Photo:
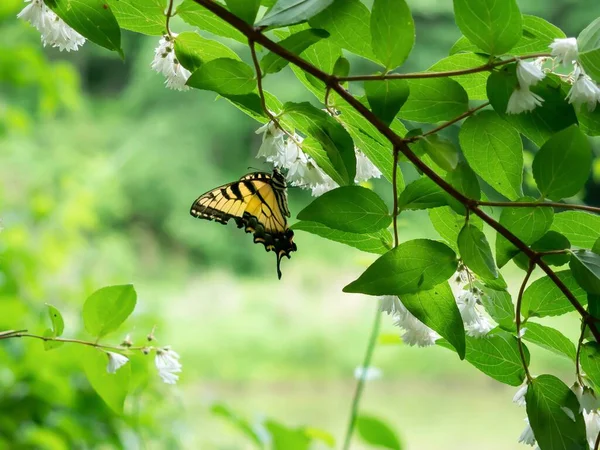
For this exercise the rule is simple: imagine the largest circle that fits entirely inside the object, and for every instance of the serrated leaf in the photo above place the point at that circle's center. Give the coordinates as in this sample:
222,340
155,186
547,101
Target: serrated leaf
495,27
111,387
476,253
193,50
494,151
437,309
581,228
585,266
434,100
224,76
392,32
413,266
141,16
546,400
386,97
563,164
93,19
378,242
377,433
353,209
107,308
290,12
499,305
198,16
421,194
543,298
550,339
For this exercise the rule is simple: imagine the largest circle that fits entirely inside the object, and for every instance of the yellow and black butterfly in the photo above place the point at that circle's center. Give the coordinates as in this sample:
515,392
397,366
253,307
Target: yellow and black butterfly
257,203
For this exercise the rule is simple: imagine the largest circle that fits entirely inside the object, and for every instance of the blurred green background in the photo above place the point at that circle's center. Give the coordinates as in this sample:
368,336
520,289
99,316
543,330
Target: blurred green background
99,164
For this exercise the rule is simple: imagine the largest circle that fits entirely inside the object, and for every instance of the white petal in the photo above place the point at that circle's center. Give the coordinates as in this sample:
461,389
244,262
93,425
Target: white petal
592,427
584,90
527,436
565,50
365,169
115,361
519,397
529,73
523,100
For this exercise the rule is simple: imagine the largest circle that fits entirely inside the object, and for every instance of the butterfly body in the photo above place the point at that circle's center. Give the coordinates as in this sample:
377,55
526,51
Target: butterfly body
257,203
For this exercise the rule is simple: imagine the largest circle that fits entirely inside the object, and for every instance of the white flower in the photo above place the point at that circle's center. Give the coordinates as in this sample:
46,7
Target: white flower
519,397
416,332
164,62
392,305
527,436
565,50
168,365
592,427
584,90
529,73
476,324
588,401
365,169
115,361
368,374
478,329
327,185
272,141
523,100
55,32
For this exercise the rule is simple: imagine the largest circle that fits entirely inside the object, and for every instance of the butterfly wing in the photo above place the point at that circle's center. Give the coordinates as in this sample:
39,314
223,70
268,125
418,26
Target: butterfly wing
257,203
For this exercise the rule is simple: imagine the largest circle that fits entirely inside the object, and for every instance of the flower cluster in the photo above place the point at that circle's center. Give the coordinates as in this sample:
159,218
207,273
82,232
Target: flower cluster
565,52
285,152
55,32
166,63
476,324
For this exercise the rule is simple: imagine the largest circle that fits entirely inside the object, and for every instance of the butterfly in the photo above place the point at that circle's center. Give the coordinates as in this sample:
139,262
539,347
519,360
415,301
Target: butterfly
257,203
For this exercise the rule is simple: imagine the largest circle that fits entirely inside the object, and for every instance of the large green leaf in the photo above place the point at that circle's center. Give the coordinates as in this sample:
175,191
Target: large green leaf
588,43
434,100
551,241
378,242
494,151
474,83
494,26
353,209
563,164
194,14
543,298
141,16
437,309
93,19
422,194
464,180
224,76
476,253
550,339
413,266
244,9
392,32
499,305
290,12
192,50
377,433
107,308
585,266
448,224
386,97
111,387
296,43
581,228
590,362
441,151
553,412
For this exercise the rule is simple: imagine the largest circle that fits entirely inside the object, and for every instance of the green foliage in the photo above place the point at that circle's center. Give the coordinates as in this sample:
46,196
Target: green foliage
392,32
476,253
543,298
550,339
588,43
224,76
378,242
386,98
107,308
377,433
296,43
111,387
434,100
141,16
498,304
585,266
290,12
192,50
245,9
422,194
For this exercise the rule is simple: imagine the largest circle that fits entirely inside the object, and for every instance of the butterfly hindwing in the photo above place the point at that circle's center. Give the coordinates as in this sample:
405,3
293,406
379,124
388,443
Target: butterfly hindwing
257,203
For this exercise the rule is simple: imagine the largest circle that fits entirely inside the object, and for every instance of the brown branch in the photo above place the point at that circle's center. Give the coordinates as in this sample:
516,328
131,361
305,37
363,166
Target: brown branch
447,73
169,14
578,355
593,209
395,190
24,333
254,34
518,319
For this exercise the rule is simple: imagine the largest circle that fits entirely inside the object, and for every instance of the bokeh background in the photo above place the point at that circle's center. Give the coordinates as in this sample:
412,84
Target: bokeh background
99,164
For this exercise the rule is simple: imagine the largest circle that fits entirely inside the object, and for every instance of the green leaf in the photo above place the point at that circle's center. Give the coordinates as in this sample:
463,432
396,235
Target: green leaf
334,149
392,32
252,105
563,164
50,345
550,339
494,150
141,16
239,423
500,307
543,298
290,12
192,50
464,180
93,19
341,67
547,399
581,228
284,438
421,194
111,387
224,76
378,242
198,16
386,97
588,43
56,318
437,309
347,22
296,43
476,253
434,100
413,266
107,308
540,124
322,55
527,224
495,27
377,433
589,122
244,9
585,266
441,151
590,362
550,241
474,83
448,224
353,209
496,355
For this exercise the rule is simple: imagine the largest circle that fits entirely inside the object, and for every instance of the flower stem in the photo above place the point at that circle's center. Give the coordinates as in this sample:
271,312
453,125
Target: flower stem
361,381
518,319
169,14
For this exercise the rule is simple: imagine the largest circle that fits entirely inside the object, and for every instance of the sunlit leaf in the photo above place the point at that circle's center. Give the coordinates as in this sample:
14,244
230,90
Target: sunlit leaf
107,308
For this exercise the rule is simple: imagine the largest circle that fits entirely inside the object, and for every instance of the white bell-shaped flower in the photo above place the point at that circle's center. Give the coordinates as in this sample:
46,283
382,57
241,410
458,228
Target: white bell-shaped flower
168,365
565,50
365,169
584,90
115,361
166,63
527,436
529,73
523,100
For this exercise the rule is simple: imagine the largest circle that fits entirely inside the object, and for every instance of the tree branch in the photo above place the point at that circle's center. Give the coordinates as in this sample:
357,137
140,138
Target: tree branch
518,319
593,209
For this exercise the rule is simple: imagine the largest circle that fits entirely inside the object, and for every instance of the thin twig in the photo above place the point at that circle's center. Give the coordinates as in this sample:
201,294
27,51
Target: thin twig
360,385
518,320
23,333
395,190
593,209
447,73
578,354
597,443
169,14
